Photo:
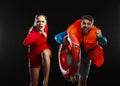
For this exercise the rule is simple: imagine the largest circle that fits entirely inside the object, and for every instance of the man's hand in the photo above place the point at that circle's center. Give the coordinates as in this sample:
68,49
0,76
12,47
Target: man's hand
98,33
73,79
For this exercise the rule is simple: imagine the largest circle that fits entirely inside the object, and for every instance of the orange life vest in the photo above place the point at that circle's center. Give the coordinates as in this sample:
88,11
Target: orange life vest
91,46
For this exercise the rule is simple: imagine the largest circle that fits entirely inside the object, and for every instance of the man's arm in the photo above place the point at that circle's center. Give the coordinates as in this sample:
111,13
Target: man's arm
59,37
102,40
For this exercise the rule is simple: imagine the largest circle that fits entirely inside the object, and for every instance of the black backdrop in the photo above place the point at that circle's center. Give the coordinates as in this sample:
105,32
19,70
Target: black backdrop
17,16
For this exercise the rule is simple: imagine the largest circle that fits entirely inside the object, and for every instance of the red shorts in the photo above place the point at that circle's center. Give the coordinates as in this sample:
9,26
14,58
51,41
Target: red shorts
35,60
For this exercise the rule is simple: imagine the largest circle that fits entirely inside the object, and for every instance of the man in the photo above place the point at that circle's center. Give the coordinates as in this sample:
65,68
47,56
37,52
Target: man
90,39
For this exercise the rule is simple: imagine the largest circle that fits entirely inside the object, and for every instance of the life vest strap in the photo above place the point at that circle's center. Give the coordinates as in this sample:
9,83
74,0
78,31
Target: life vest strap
92,49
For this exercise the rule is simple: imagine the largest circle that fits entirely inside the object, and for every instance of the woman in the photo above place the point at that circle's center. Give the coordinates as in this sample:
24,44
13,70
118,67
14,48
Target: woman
39,52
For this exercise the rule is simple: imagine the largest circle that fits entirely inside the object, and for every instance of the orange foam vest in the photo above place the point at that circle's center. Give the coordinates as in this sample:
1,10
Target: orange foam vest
91,46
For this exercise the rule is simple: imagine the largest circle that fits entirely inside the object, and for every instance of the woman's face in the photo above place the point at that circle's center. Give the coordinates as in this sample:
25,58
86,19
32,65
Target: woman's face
41,22
86,25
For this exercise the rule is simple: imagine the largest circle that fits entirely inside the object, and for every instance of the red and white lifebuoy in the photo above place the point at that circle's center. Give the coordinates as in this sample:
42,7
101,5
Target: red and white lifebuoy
69,57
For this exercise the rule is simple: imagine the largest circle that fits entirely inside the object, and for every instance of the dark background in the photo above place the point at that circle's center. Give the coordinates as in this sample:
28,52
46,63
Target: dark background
16,17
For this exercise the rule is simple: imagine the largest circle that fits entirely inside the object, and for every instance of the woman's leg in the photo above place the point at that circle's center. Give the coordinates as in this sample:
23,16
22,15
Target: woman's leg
34,76
46,55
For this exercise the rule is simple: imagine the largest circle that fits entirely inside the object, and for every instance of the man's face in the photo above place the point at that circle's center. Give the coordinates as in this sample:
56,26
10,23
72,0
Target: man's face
86,25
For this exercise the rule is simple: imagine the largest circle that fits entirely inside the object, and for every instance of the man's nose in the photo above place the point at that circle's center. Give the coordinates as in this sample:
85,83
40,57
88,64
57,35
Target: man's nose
85,25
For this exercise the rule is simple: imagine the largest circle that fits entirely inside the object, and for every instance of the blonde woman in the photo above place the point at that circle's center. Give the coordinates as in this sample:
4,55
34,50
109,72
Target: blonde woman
39,53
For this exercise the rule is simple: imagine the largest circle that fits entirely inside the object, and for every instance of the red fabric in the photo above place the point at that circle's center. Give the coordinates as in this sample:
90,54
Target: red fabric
76,30
90,39
97,56
36,43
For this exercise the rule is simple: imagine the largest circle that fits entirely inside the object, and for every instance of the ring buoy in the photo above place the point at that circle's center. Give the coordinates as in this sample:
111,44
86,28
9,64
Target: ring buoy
69,57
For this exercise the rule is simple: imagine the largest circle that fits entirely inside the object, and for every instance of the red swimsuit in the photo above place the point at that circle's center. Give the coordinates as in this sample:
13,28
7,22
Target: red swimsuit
36,43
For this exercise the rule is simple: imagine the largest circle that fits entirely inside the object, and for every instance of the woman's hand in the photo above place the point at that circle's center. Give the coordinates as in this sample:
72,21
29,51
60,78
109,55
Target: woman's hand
44,34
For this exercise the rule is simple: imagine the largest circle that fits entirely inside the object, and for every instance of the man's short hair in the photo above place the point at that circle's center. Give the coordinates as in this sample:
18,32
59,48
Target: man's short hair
89,17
